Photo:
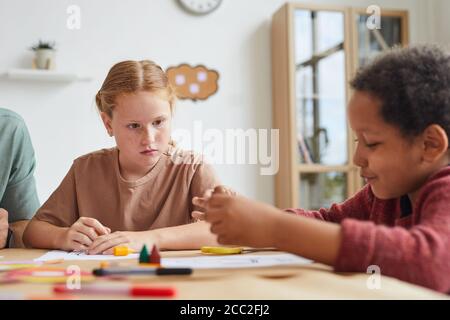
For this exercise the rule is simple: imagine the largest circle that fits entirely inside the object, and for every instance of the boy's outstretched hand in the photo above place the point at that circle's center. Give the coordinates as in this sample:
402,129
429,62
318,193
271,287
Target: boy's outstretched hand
239,221
199,215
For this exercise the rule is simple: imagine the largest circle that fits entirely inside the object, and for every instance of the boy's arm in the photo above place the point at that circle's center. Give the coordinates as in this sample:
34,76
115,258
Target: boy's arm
316,240
241,221
356,207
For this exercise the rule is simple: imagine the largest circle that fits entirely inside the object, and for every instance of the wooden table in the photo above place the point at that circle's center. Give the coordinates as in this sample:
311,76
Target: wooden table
314,281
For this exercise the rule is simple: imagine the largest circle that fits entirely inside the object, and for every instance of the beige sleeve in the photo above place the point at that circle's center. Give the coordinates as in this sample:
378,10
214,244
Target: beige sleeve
204,178
61,209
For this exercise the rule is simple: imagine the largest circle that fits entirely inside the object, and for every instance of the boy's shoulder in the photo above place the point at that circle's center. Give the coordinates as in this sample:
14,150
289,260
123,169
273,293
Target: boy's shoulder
439,181
436,188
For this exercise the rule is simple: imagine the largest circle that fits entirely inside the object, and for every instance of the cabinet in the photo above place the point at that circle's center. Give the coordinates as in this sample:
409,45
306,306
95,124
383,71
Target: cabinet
315,51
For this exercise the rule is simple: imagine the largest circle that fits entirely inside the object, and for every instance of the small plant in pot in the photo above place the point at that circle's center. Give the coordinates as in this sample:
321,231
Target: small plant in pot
44,55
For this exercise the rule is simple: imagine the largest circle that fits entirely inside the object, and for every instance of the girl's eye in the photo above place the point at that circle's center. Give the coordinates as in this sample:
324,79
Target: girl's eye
133,126
158,123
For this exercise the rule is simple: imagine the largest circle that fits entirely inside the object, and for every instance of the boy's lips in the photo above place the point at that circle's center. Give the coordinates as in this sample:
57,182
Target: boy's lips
368,178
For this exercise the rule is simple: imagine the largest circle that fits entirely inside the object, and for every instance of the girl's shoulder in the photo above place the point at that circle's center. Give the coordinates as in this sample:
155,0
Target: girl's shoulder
178,156
102,157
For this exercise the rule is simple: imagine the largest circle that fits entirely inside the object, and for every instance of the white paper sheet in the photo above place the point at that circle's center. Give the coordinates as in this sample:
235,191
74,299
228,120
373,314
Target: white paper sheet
57,254
235,261
202,262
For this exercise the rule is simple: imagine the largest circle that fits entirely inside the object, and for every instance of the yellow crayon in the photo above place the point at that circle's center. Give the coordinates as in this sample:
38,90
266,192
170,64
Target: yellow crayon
123,251
222,250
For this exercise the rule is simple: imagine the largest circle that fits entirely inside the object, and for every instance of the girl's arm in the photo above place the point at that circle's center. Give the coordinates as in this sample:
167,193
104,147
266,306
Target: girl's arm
81,235
188,236
41,234
18,228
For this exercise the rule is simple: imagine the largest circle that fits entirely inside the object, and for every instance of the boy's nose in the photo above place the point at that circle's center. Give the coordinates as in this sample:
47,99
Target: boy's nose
358,157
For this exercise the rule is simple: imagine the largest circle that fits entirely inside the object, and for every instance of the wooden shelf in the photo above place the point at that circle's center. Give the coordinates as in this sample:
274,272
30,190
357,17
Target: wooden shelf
43,75
320,168
289,91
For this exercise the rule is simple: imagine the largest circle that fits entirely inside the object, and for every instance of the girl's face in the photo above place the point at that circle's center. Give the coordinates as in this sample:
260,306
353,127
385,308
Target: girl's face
141,126
390,163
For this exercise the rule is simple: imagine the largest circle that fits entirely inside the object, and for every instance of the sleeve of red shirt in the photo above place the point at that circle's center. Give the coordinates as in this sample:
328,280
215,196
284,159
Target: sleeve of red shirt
418,255
357,207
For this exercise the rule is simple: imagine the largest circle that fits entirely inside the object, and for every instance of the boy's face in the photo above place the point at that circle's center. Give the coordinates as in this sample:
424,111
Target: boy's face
141,126
390,163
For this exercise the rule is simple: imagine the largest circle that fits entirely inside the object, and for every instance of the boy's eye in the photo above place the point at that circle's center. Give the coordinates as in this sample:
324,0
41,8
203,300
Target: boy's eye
133,126
372,145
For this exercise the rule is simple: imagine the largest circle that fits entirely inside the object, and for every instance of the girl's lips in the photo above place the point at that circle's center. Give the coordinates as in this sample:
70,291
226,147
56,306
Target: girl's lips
149,152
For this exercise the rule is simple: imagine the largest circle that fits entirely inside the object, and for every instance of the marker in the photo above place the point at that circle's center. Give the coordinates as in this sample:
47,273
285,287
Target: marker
136,291
24,296
142,271
123,251
222,250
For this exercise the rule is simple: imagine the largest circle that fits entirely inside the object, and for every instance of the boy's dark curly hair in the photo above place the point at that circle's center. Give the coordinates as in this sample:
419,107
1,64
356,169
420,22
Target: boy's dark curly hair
413,85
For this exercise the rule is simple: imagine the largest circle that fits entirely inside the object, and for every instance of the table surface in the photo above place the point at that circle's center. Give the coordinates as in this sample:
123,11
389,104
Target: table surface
312,281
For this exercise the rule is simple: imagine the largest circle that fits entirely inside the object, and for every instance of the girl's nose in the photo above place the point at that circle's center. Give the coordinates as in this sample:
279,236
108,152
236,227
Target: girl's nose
148,136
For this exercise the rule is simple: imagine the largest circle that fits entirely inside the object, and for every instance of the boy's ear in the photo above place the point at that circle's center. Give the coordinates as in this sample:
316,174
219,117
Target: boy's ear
107,122
435,142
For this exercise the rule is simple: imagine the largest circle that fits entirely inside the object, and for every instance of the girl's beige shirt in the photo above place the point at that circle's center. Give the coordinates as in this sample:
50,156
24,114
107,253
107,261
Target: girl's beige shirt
94,188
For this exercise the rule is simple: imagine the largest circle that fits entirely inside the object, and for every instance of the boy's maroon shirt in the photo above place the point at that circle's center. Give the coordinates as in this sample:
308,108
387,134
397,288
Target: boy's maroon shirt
408,242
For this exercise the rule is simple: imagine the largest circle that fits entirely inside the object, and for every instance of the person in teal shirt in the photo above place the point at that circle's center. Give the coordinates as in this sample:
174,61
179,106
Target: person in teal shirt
18,196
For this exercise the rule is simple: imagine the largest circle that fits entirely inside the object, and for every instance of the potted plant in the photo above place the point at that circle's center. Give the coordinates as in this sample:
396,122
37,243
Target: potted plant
44,55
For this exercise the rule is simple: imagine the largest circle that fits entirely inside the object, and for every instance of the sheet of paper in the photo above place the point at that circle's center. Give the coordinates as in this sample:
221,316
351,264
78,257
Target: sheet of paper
57,254
235,261
201,262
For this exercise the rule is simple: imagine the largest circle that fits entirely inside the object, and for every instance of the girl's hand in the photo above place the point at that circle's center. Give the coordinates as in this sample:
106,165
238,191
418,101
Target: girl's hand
133,240
202,202
82,234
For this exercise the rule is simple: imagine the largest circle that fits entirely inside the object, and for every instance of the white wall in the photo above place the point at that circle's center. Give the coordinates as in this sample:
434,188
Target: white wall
440,14
235,40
